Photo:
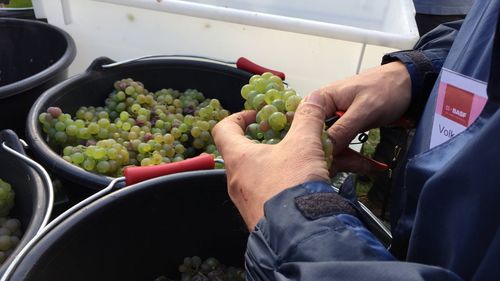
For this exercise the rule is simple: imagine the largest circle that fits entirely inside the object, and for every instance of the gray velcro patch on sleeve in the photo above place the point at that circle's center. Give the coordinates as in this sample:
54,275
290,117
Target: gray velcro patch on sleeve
321,204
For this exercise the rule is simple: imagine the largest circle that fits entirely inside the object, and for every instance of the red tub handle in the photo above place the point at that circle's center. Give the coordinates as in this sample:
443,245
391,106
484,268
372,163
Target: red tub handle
246,64
135,174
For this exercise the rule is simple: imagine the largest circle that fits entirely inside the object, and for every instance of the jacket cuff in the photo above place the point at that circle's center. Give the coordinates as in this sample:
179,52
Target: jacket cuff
310,211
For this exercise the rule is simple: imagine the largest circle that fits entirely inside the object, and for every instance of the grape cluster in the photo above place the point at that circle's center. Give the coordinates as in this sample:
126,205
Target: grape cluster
134,127
10,228
275,106
196,269
6,198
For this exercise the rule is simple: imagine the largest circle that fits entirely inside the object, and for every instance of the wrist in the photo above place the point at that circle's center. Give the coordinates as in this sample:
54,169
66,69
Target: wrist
422,73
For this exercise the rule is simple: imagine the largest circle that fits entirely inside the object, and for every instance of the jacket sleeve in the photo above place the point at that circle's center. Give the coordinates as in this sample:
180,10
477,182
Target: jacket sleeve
309,232
424,62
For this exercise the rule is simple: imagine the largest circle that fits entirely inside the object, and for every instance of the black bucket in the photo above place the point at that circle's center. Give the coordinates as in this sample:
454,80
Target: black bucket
214,80
31,191
141,232
18,13
33,57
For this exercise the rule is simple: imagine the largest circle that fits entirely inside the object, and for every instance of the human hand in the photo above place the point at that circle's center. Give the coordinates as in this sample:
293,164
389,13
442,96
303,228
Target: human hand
257,172
371,99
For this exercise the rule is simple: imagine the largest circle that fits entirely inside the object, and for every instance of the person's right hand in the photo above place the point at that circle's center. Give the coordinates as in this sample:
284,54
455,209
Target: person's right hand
371,99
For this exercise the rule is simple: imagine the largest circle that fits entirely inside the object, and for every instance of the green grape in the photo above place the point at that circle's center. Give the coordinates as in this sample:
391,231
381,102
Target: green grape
168,139
103,166
252,79
179,149
271,134
77,158
251,96
130,90
71,130
195,132
120,96
103,123
60,137
176,133
277,80
44,118
266,75
135,108
292,103
259,101
246,89
144,147
99,153
203,125
265,112
271,95
273,141
214,103
205,136
183,127
277,121
112,153
247,105
6,198
273,86
252,130
60,126
124,116
260,84
5,243
83,133
93,128
79,123
279,104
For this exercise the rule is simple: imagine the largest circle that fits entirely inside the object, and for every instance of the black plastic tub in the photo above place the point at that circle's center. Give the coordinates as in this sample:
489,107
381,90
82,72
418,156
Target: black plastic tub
214,80
33,57
30,187
18,13
141,232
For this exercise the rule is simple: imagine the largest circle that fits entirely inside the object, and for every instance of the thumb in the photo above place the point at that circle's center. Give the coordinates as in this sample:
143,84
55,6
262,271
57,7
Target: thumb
309,118
229,133
347,127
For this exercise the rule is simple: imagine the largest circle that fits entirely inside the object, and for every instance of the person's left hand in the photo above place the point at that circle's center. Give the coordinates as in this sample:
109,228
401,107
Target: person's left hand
257,172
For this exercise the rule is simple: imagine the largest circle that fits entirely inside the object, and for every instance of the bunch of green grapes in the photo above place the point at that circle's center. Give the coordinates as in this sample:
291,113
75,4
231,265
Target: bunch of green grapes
275,105
196,269
6,198
10,228
134,127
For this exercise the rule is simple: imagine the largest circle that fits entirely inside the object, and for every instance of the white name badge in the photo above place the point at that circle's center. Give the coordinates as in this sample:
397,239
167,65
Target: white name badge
459,102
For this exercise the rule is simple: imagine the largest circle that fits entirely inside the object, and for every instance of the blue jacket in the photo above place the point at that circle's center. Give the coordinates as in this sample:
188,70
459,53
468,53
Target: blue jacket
443,7
446,216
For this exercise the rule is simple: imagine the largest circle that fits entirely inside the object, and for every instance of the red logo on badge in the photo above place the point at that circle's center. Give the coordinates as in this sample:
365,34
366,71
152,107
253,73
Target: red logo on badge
457,105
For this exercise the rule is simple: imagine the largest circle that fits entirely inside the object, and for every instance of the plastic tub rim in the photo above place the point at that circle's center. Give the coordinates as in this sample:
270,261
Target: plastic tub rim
45,75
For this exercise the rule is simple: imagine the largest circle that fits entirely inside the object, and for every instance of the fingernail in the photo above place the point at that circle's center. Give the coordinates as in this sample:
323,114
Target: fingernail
315,98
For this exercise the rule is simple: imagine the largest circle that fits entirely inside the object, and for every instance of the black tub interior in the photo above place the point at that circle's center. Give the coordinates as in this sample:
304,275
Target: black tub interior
143,231
27,49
